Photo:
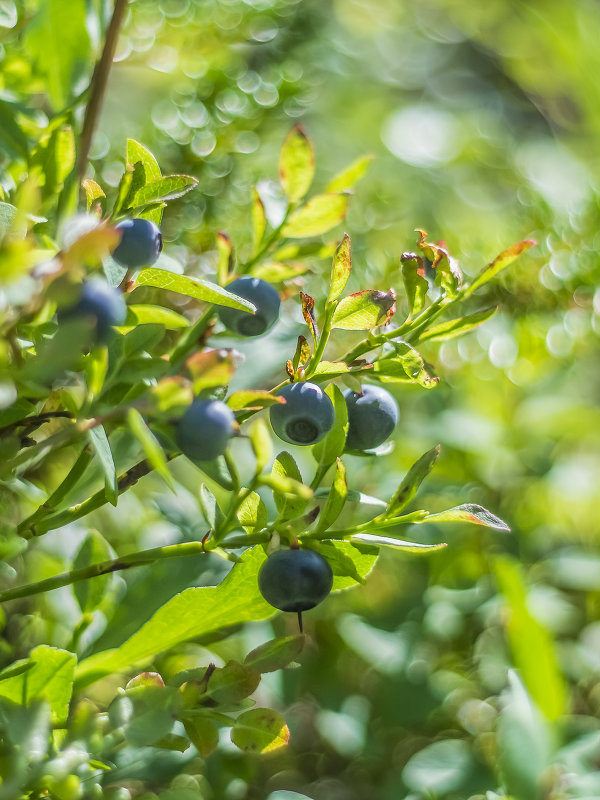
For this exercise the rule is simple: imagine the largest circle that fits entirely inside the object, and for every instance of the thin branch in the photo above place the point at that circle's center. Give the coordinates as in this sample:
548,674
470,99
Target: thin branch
98,86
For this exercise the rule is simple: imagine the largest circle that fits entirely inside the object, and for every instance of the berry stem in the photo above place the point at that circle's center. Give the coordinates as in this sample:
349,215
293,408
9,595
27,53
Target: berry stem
300,622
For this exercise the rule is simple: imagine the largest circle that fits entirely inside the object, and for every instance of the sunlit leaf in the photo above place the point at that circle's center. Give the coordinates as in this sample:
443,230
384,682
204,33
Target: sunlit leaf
340,269
397,544
349,177
457,327
136,152
364,310
505,258
335,500
168,188
469,512
296,164
260,730
319,215
413,274
259,221
193,287
253,398
252,513
448,273
411,482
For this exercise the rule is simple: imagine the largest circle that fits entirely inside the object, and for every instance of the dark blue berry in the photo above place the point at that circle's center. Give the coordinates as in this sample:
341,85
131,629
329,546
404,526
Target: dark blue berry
265,298
140,245
295,580
307,415
100,305
205,429
372,416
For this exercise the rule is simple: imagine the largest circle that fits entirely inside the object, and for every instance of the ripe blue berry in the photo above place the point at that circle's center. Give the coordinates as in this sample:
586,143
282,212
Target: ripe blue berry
265,298
372,416
205,429
100,305
306,416
295,580
140,245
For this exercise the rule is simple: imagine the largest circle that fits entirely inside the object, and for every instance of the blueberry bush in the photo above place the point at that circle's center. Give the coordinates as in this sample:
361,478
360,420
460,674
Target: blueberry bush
148,513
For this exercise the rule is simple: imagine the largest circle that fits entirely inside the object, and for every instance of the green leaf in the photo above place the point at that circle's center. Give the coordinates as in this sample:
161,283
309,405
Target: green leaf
90,593
136,152
210,509
50,679
142,338
319,215
448,273
364,310
406,364
397,544
328,449
261,443
252,513
276,654
210,368
340,269
284,467
260,730
253,399
296,164
11,134
259,222
411,482
350,563
469,512
150,445
347,178
99,441
58,43
336,500
505,258
149,314
413,274
203,734
123,190
193,613
193,287
525,746
225,262
8,214
457,327
164,189
276,272
232,683
440,768
530,643
93,192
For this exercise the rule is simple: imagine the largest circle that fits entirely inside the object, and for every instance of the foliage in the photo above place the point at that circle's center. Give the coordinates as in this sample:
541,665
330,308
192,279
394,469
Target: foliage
138,559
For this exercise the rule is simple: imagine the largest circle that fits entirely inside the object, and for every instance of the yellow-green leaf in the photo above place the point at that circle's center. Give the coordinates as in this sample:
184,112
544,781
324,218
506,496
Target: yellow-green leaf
319,215
296,164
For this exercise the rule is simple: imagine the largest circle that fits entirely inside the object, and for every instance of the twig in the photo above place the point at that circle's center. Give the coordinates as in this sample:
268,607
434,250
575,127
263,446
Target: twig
98,86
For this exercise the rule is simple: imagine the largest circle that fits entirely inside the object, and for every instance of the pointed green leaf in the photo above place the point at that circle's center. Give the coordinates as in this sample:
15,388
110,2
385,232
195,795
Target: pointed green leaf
159,315
276,272
253,398
252,513
328,449
260,730
136,152
94,550
225,262
286,469
259,222
262,446
349,177
505,258
319,215
413,274
340,270
93,192
457,327
364,310
296,164
411,482
150,445
99,441
164,189
532,648
188,615
406,364
448,273
397,544
193,287
50,679
336,500
209,507
349,563
276,654
469,512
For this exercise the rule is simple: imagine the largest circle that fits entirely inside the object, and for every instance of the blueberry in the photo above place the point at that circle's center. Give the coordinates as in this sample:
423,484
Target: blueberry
265,298
306,416
140,245
99,304
204,430
372,416
295,580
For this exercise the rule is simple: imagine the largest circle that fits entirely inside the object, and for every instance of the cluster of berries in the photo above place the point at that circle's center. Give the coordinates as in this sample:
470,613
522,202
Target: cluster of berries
290,580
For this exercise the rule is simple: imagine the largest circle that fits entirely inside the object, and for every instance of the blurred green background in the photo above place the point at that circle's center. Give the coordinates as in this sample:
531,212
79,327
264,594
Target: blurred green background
483,121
